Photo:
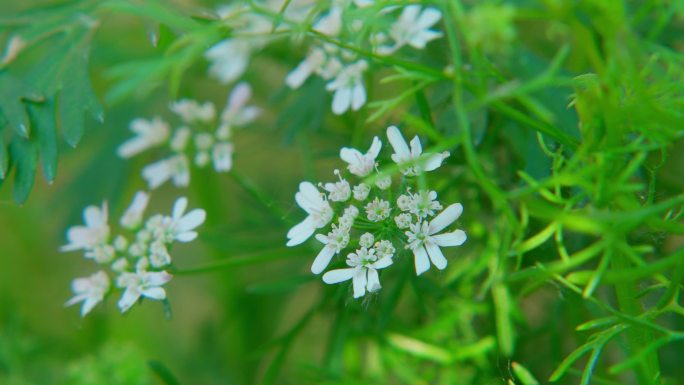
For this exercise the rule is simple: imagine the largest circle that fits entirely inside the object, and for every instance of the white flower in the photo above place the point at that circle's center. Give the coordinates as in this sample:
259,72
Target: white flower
94,233
334,242
180,225
404,202
424,204
384,248
383,183
90,290
237,112
203,141
366,240
120,265
132,217
313,63
101,253
149,133
180,139
202,158
222,156
331,23
413,160
363,271
191,111
348,87
229,59
377,210
346,221
159,254
403,220
141,283
413,28
338,191
120,243
361,164
361,191
175,167
425,244
319,210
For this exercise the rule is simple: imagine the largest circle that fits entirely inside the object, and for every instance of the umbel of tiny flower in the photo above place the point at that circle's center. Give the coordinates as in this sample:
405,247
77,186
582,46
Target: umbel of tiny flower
203,137
343,69
370,223
139,259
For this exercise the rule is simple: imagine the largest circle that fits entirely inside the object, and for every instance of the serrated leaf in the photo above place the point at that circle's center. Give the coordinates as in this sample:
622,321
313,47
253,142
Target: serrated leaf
45,131
25,155
76,97
12,93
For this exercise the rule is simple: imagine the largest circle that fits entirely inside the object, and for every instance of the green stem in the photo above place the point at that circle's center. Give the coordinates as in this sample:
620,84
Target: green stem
240,260
638,338
260,196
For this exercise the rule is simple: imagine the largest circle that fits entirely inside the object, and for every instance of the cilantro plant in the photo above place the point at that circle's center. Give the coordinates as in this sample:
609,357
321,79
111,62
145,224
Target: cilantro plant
387,192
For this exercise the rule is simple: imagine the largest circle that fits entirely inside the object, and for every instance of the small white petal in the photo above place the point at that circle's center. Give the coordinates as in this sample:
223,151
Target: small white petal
436,255
187,236
416,147
433,161
373,283
301,232
191,220
359,282
128,299
358,96
398,142
421,260
341,100
382,263
322,260
445,218
179,207
157,293
339,275
456,238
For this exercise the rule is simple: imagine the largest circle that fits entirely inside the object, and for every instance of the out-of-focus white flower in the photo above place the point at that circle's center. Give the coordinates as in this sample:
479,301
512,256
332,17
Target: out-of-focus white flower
229,59
180,139
159,254
319,213
133,215
363,271
89,290
237,112
175,167
361,164
413,29
413,161
311,64
334,242
191,111
180,225
331,23
349,91
141,284
101,253
93,234
425,243
149,133
377,210
222,156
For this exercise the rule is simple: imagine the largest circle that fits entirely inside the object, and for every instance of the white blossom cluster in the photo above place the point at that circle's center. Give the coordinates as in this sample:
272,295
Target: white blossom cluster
371,223
342,68
203,138
139,261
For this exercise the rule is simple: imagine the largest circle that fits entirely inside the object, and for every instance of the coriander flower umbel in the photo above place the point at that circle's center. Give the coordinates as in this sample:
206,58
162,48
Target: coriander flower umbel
410,222
413,29
209,133
140,264
93,234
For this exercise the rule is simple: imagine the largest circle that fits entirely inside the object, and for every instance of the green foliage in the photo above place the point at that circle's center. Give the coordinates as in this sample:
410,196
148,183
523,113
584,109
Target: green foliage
564,120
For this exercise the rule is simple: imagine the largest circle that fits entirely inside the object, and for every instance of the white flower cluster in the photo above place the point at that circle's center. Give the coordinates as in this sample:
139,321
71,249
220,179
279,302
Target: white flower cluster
140,261
370,226
342,68
210,136
249,33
